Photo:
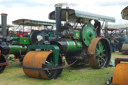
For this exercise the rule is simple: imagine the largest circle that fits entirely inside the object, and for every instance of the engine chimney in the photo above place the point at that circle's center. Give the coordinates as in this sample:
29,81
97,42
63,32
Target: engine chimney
4,25
58,18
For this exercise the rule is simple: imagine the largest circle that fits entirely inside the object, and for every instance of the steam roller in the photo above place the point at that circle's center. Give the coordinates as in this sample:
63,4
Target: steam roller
120,74
79,46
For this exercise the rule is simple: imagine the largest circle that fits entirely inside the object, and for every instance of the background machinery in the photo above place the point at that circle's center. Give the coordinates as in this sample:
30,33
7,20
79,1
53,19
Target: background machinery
6,48
113,34
27,30
75,39
15,44
116,38
124,14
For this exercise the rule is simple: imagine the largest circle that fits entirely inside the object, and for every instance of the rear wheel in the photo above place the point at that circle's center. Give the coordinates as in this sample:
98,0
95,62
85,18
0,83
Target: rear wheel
100,54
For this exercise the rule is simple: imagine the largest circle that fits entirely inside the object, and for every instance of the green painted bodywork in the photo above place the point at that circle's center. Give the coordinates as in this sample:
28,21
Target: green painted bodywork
79,44
15,38
74,46
54,48
21,40
88,33
16,49
24,41
75,15
77,34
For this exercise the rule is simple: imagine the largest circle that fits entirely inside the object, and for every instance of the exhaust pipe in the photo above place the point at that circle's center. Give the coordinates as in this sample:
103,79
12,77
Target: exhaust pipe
58,19
4,25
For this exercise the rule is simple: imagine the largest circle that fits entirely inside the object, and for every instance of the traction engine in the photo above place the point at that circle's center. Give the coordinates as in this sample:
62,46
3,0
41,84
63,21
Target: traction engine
80,46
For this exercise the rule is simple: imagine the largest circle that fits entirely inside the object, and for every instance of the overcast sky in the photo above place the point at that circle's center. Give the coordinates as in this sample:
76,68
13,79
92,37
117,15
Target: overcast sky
39,9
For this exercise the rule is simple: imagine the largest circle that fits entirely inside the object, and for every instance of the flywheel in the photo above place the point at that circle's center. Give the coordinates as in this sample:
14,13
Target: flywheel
88,33
33,36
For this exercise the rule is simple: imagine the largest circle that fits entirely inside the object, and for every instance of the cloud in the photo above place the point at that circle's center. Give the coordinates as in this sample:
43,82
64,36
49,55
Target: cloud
112,3
35,13
33,3
39,9
21,3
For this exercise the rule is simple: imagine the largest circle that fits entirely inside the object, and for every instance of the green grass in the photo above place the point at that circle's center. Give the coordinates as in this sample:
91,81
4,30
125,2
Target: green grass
14,75
118,54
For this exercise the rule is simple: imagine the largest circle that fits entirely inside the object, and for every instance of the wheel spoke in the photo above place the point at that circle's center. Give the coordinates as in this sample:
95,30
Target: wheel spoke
100,46
100,54
102,61
97,52
103,55
98,62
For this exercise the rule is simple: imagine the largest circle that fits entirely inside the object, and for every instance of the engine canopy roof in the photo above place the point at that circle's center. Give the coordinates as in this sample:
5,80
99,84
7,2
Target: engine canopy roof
124,13
29,22
75,15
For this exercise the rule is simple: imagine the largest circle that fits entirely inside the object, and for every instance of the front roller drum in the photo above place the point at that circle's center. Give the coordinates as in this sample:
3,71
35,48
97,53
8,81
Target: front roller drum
35,59
120,74
100,54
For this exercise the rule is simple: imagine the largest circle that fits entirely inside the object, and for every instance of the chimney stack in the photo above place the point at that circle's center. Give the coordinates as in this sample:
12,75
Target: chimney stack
4,25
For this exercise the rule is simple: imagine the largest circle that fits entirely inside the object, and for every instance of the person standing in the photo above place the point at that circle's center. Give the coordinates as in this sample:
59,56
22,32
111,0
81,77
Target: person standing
97,26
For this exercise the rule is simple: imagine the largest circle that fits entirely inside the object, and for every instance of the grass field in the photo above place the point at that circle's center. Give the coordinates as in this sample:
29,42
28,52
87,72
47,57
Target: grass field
14,75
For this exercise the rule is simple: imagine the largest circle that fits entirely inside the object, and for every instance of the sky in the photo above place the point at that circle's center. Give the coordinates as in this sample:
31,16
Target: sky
39,9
